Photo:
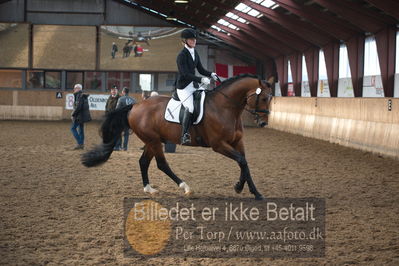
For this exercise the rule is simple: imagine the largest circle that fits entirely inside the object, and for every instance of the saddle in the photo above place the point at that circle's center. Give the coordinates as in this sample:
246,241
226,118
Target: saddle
174,109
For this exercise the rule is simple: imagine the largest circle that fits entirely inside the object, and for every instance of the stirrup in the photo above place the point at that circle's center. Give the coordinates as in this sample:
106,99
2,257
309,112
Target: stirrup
186,139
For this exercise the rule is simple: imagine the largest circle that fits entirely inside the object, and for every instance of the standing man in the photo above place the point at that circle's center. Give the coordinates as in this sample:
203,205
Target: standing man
114,49
187,61
124,101
111,106
126,50
112,100
80,115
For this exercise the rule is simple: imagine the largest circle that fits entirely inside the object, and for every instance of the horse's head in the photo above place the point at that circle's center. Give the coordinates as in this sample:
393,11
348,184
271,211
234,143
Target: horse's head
258,101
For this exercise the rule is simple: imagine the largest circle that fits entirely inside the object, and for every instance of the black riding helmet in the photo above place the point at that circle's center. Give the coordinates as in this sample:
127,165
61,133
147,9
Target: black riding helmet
188,34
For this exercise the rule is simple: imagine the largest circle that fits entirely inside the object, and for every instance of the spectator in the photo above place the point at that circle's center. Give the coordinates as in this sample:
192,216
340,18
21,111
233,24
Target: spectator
124,101
80,115
111,105
138,50
112,100
126,50
114,49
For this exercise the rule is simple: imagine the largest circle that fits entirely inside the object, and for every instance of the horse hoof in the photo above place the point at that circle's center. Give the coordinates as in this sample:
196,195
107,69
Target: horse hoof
149,189
259,197
188,194
238,188
187,190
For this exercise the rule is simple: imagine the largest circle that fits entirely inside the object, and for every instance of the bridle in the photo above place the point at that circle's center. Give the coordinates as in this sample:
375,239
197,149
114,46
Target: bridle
255,111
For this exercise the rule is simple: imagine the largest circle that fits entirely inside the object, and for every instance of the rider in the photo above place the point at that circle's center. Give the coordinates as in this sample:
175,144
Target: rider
187,61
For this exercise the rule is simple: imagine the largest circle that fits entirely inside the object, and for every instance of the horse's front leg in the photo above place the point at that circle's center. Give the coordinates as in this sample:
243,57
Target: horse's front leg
228,151
239,186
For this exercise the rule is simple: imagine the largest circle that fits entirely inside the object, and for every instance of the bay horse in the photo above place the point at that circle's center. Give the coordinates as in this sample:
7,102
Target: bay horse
221,128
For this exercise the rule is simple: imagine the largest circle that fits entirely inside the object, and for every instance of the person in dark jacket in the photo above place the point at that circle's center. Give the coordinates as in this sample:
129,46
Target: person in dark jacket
80,115
126,50
112,100
114,49
187,61
111,106
124,101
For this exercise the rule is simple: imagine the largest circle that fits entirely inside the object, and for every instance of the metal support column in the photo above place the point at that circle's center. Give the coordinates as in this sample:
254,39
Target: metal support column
63,80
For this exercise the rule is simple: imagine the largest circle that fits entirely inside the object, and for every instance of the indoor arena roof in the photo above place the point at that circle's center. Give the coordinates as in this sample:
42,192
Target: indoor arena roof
271,28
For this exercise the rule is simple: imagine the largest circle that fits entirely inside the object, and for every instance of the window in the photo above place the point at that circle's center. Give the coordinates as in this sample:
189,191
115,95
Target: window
397,53
92,81
10,78
266,3
35,79
344,68
322,66
304,70
120,79
305,79
39,79
250,10
289,72
269,4
290,91
227,24
345,87
145,81
371,63
52,80
322,85
235,17
74,78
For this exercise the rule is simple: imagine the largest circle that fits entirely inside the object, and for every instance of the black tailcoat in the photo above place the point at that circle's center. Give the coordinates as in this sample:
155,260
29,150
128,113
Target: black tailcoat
187,66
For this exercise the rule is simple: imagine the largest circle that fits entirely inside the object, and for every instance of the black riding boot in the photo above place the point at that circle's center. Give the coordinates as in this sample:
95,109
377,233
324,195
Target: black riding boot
186,138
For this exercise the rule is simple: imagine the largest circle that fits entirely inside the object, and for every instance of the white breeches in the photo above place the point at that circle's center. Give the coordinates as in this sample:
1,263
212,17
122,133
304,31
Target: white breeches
186,97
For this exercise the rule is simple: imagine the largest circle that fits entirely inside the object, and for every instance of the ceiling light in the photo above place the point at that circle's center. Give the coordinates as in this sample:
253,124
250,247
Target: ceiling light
181,1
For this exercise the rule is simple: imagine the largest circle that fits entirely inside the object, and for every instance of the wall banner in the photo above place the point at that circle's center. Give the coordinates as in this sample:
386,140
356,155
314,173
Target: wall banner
96,101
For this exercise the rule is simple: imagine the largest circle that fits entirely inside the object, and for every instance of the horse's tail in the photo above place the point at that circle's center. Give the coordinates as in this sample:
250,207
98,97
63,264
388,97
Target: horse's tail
110,131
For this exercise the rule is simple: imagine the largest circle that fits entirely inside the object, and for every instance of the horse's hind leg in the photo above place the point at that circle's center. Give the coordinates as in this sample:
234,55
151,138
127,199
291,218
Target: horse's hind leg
144,162
164,167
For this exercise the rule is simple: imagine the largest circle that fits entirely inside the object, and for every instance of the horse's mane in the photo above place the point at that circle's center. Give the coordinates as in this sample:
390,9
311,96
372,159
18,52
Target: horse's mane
227,82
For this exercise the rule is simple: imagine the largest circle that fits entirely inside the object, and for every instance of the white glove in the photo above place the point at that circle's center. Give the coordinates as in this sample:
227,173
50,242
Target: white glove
214,76
205,81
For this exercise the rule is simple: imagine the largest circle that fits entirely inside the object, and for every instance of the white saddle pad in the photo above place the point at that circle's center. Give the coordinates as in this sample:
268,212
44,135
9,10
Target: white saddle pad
172,111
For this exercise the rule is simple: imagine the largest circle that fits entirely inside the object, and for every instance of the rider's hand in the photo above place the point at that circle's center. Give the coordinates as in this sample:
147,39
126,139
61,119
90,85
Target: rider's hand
205,81
214,76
